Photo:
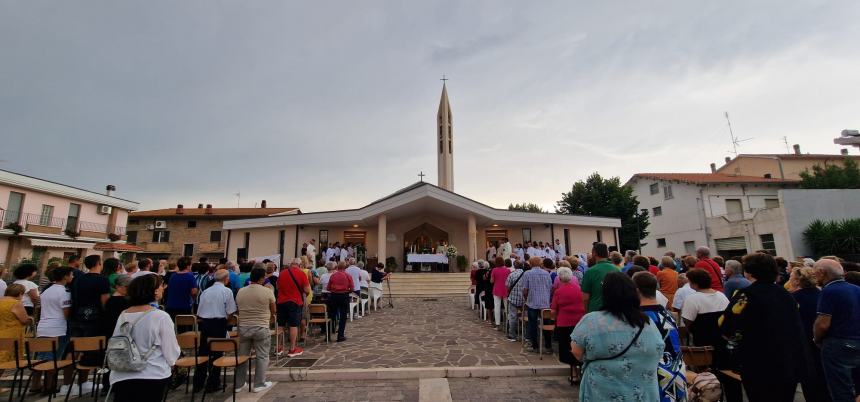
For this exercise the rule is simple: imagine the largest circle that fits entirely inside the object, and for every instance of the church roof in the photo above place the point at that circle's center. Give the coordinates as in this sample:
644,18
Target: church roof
417,198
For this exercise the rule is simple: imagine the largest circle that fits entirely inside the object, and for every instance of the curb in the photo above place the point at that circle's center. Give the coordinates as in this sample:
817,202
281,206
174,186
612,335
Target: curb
303,374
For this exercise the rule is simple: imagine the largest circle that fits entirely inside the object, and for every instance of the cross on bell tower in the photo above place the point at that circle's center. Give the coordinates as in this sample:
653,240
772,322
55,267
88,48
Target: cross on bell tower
445,137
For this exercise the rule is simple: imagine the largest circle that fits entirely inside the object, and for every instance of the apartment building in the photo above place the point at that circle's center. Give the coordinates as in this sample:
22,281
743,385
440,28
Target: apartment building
42,219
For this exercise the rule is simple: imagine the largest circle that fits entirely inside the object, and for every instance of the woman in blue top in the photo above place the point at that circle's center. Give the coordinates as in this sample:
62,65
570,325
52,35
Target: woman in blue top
619,346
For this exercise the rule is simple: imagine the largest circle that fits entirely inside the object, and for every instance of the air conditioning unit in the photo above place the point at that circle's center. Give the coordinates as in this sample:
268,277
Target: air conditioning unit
150,227
161,224
104,210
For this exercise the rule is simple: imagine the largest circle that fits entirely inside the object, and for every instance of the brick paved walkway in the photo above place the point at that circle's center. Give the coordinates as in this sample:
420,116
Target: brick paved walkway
420,333
498,389
319,391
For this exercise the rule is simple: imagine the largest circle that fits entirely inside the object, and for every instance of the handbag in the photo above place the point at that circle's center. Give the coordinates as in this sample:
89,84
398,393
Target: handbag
618,354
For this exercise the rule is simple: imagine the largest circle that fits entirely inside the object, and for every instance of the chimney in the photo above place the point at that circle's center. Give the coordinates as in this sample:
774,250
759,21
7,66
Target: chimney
728,159
843,151
208,209
180,210
199,206
797,149
110,189
263,204
713,168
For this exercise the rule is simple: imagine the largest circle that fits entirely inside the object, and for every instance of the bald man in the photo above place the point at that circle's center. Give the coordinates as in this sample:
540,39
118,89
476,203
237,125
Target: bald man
837,329
216,304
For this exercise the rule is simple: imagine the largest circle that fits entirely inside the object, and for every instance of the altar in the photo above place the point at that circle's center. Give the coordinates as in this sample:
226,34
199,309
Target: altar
426,262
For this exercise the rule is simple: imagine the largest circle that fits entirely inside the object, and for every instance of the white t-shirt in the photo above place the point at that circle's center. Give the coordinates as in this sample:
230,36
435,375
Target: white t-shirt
324,281
311,252
703,303
154,330
662,299
141,273
680,295
2,287
28,286
344,254
53,322
363,278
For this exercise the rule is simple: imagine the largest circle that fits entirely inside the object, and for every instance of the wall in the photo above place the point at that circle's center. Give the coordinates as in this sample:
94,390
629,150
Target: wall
34,200
682,219
180,234
802,207
752,197
762,221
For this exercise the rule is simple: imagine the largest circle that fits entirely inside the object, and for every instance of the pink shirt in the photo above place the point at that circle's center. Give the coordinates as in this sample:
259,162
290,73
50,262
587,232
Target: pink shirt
567,304
500,275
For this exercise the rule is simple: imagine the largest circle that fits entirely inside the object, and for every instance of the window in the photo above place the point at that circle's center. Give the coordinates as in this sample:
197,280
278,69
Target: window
215,236
323,238
13,208
771,203
134,221
192,224
658,211
131,236
690,247
599,236
655,188
734,207
161,236
72,219
527,235
47,214
661,242
768,243
188,250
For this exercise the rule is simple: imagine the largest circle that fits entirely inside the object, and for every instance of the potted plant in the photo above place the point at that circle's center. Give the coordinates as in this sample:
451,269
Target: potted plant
462,263
114,237
71,233
15,227
391,263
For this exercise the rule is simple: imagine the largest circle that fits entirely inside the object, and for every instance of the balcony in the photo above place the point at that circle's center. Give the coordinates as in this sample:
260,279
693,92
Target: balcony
210,247
37,223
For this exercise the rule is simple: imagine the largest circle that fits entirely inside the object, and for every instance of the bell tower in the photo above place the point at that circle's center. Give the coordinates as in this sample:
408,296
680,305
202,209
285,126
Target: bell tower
445,139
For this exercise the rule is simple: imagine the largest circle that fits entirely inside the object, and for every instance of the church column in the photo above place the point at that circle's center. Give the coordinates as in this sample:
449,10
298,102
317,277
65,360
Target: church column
473,239
381,238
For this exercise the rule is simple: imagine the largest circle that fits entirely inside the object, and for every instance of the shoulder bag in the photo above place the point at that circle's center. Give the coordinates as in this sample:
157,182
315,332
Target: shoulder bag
620,353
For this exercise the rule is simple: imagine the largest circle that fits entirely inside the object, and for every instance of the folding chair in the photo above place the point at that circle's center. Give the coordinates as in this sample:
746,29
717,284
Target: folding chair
227,361
18,364
184,321
319,315
81,345
233,326
545,315
40,345
190,341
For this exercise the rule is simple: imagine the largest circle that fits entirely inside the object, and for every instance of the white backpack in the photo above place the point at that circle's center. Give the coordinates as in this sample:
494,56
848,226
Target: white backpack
122,353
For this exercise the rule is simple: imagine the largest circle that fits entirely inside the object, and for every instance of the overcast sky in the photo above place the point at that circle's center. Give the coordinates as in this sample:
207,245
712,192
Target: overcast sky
333,104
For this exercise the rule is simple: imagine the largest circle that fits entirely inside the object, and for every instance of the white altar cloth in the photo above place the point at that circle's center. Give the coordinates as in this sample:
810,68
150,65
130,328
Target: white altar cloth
427,258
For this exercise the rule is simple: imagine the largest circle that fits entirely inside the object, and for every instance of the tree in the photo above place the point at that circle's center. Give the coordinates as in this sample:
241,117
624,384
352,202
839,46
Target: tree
526,207
597,196
832,176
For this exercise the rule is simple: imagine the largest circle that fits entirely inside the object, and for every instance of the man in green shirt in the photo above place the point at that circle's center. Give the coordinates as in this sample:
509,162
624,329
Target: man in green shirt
592,282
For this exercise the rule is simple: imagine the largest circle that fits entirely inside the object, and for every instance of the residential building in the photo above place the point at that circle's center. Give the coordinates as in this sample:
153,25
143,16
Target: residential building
779,166
43,220
189,232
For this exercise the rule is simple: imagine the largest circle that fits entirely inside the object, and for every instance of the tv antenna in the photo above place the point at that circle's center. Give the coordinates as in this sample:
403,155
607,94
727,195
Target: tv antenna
736,142
238,198
785,141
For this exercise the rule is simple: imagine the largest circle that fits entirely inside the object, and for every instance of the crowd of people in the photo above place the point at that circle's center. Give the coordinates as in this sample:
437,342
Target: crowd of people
624,322
142,300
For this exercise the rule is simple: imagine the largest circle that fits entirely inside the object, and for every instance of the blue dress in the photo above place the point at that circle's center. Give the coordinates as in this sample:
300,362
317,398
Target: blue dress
631,377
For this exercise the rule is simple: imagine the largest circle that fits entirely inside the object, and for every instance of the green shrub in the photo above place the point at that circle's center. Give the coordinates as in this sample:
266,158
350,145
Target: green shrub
391,263
462,262
833,237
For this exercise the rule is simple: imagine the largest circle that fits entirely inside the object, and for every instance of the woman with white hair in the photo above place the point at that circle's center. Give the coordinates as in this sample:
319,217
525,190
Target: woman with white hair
567,309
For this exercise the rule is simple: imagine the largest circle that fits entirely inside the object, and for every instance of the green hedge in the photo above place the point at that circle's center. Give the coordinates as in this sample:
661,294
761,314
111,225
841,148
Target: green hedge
833,237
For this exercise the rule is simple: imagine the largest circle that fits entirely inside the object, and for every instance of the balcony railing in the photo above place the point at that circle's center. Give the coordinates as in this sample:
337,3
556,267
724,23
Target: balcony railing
57,224
7,217
44,220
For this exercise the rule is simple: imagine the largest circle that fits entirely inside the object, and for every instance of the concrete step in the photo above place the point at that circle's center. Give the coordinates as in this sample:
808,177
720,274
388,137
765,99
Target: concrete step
406,284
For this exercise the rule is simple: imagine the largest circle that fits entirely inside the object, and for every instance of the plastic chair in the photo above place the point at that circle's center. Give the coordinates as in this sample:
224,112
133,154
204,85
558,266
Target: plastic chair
353,305
319,315
227,361
375,297
471,295
190,341
18,364
46,345
545,315
81,345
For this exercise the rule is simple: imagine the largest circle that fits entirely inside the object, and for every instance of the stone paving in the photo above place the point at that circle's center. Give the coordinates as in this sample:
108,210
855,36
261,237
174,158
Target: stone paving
510,389
441,332
320,391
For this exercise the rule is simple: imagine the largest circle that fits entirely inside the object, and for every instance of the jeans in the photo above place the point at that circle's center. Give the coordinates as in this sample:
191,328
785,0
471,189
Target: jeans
497,311
209,328
338,306
838,358
513,321
261,339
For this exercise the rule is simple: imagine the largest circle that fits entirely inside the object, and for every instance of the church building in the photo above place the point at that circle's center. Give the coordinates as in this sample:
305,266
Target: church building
413,221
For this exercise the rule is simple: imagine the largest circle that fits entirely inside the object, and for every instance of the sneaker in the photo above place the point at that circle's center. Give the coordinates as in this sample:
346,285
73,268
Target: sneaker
295,352
341,339
511,339
280,351
239,388
264,388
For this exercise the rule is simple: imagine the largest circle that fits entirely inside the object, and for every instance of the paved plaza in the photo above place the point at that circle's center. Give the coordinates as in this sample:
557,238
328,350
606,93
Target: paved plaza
437,332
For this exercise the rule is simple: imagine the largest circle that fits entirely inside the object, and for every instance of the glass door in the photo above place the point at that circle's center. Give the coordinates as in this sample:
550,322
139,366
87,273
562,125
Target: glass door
13,208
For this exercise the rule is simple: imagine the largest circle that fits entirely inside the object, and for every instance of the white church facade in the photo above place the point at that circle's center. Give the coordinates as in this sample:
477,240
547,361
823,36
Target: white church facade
416,219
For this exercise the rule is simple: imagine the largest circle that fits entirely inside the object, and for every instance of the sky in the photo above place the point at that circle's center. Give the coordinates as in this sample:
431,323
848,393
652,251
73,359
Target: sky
332,104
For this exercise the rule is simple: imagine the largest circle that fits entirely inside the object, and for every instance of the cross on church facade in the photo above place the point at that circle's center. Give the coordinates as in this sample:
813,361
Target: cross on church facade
421,175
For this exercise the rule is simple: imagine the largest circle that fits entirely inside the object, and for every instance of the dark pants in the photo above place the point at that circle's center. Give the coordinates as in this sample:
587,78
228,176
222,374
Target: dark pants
140,390
534,323
814,387
338,305
209,328
770,392
839,357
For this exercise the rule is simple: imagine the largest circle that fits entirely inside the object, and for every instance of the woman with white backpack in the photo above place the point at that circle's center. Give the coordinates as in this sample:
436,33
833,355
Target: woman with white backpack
143,348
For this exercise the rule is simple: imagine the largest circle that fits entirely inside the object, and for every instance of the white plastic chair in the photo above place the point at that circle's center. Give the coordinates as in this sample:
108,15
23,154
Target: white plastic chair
375,297
471,295
353,306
